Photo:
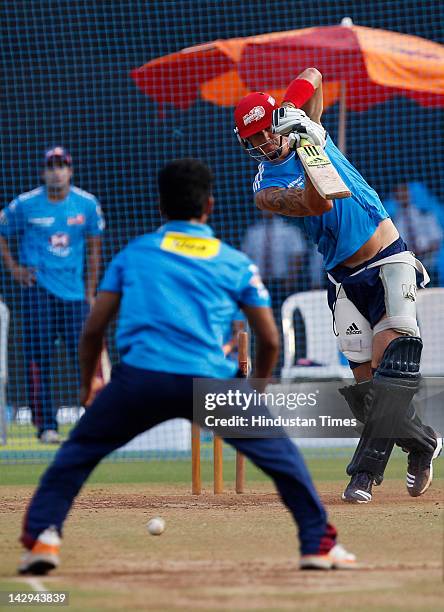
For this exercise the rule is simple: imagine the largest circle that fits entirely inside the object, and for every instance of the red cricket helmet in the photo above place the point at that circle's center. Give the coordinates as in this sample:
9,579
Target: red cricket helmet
254,113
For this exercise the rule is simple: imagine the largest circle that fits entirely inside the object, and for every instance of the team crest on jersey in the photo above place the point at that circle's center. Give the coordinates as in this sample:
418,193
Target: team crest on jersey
59,244
190,246
255,114
77,220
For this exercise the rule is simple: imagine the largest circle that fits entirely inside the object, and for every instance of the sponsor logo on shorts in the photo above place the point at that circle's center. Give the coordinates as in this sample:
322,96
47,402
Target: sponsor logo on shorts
352,330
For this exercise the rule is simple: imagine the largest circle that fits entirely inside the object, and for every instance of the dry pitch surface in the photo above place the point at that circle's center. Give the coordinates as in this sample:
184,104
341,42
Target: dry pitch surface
235,552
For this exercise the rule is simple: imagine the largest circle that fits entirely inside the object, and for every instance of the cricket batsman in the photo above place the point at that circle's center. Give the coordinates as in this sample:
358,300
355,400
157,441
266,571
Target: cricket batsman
372,280
176,292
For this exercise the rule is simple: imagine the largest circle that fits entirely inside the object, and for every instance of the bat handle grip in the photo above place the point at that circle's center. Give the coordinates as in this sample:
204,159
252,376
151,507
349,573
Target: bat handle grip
304,142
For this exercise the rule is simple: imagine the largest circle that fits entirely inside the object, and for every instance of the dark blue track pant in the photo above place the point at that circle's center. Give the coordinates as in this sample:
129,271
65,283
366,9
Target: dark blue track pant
135,400
44,318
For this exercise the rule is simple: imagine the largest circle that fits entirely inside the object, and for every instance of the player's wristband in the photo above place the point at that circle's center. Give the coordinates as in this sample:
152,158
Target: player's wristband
298,92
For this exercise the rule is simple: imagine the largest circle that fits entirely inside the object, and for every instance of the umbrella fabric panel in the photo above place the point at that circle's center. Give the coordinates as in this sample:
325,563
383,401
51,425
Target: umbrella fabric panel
176,78
375,64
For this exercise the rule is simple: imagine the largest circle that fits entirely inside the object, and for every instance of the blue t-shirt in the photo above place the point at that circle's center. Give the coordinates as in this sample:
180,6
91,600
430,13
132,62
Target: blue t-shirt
52,237
341,231
181,287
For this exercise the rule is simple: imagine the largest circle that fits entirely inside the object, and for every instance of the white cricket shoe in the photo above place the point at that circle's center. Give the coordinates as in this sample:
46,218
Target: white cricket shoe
44,555
50,436
336,558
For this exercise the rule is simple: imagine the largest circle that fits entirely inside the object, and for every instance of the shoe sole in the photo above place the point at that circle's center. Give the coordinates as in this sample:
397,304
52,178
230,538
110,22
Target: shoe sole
38,568
315,567
352,500
327,564
436,454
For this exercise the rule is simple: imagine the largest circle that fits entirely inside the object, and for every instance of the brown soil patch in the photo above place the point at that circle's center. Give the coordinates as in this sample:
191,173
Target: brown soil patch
237,552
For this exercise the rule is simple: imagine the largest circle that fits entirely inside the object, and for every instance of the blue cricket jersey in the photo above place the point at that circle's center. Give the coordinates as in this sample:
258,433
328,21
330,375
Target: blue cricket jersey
52,237
181,288
341,231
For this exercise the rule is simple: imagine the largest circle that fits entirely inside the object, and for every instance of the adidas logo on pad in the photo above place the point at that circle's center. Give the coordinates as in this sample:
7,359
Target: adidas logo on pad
353,329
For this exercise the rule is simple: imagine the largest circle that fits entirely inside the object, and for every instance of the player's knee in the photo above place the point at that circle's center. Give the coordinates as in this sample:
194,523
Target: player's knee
401,359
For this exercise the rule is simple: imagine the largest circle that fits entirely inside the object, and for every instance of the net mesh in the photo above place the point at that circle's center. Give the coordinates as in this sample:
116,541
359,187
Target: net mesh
67,81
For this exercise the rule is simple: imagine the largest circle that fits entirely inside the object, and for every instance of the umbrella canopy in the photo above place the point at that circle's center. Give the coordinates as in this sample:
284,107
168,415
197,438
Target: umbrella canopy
373,64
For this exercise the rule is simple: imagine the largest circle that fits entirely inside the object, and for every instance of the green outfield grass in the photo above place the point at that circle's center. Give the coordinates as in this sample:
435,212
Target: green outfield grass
22,438
179,471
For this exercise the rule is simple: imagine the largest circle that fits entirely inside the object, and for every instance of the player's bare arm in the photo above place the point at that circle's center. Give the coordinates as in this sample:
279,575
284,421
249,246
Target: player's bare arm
291,122
262,323
91,342
23,275
94,249
293,202
314,105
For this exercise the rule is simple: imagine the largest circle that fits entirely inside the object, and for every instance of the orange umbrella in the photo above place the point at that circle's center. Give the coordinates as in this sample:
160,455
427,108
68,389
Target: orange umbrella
363,66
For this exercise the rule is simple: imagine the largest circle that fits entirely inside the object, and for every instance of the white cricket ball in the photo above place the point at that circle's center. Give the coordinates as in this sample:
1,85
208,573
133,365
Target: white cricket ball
156,525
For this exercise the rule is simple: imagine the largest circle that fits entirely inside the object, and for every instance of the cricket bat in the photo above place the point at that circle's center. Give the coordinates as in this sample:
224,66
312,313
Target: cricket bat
321,172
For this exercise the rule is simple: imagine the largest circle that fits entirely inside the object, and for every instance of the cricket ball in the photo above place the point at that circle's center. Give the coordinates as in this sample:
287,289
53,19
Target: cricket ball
156,525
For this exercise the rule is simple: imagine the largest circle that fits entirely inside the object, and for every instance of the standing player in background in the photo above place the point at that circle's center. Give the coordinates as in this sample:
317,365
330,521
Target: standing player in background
372,279
52,224
278,249
172,316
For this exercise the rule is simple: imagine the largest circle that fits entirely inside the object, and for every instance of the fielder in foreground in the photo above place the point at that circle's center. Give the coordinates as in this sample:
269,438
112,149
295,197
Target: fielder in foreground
177,290
372,279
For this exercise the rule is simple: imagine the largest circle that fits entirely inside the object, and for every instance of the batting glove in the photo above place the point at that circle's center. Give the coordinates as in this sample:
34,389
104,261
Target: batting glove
295,124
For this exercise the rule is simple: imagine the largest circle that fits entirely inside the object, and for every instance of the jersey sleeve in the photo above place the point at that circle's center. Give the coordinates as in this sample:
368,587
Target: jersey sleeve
113,277
95,222
253,291
12,219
